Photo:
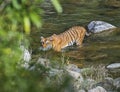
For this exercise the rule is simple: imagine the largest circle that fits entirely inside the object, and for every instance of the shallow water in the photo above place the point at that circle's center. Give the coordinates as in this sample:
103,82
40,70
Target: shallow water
96,49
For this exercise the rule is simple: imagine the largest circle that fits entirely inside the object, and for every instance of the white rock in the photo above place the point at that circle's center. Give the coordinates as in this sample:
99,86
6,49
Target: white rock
73,67
81,90
75,75
99,26
26,54
113,66
97,89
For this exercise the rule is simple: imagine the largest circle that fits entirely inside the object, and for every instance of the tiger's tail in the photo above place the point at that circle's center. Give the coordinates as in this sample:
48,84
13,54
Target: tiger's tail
88,33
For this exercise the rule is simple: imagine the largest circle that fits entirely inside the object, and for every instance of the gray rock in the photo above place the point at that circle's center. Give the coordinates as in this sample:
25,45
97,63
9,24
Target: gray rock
109,80
114,69
44,62
97,89
54,72
107,84
77,85
73,67
75,75
113,66
99,26
87,84
40,62
117,83
81,90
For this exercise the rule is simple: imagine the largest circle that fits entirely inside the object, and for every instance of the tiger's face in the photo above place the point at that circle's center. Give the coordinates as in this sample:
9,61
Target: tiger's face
47,43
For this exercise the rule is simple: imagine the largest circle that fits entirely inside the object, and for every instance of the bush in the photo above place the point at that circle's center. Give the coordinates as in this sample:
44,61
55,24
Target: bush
16,19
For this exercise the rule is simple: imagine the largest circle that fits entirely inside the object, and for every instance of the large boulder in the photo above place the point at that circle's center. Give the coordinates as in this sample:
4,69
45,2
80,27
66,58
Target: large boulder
99,26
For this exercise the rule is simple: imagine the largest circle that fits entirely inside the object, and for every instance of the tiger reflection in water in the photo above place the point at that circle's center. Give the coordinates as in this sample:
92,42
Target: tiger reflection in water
73,35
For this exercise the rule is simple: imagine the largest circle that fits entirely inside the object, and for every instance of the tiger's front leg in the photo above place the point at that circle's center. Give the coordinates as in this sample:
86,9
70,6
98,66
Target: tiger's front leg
57,48
79,42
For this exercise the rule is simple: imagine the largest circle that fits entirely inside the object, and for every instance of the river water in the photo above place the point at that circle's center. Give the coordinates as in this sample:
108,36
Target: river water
96,49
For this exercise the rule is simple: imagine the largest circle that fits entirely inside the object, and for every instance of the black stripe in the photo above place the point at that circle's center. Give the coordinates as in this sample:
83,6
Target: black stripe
73,33
70,35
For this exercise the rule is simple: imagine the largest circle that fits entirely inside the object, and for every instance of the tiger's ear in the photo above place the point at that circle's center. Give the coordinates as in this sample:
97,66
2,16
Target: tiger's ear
41,37
53,37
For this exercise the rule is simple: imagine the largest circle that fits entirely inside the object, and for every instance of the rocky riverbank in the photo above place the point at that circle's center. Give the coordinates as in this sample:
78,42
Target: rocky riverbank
91,79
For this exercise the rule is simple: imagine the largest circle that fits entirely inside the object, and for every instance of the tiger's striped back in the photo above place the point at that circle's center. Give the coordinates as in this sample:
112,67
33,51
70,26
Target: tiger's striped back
73,35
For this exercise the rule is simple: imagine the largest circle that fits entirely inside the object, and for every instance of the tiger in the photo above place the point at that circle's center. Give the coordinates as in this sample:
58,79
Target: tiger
74,35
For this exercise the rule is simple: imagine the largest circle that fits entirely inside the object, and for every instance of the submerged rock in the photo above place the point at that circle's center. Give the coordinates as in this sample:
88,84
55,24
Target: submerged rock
99,26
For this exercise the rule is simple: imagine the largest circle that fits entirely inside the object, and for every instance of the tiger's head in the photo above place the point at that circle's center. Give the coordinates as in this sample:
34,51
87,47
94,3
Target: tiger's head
47,43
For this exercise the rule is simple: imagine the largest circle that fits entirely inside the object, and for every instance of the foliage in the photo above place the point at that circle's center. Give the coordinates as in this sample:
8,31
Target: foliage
57,6
16,19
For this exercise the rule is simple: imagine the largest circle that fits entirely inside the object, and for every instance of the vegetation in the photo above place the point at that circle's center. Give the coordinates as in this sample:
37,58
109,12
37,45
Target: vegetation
16,19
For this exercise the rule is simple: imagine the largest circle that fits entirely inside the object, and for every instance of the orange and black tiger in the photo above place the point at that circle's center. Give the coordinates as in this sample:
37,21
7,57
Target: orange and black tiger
73,35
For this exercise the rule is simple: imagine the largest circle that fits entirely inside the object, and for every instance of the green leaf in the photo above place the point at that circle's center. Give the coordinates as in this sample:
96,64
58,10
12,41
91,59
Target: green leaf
26,24
2,33
57,6
16,4
35,18
7,51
